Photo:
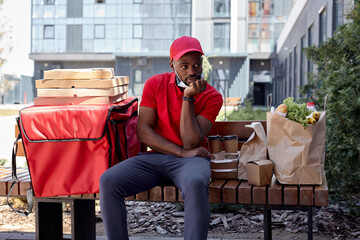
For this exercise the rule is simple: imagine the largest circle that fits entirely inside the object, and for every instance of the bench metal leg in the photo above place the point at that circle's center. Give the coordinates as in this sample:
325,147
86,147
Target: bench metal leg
49,220
267,223
83,219
310,223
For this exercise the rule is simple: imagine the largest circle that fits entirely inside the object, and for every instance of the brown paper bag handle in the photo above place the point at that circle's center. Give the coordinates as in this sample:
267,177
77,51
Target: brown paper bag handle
325,101
269,101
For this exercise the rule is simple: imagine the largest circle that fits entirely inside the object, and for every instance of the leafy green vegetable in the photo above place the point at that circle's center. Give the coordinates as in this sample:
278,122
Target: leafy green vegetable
297,112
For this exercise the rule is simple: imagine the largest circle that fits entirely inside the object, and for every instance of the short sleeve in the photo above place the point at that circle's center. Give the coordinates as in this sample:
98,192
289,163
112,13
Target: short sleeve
148,98
212,107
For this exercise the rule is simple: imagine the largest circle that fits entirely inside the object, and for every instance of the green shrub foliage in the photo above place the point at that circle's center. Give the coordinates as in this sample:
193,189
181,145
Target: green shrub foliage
338,75
247,112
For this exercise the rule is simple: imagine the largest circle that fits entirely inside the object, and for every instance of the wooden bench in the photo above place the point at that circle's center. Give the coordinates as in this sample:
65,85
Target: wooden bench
275,196
233,101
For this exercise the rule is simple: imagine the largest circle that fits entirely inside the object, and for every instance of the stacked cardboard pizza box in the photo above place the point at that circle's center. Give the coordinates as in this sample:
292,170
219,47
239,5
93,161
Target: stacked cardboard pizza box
81,86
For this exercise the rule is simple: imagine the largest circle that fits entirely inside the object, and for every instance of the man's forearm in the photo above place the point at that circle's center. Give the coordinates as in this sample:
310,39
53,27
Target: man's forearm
190,131
158,143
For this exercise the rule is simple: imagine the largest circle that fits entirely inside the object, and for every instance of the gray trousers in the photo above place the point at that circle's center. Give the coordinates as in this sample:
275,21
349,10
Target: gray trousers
145,171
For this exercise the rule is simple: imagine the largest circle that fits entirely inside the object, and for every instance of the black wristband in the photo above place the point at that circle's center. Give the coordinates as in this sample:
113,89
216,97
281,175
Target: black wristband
188,99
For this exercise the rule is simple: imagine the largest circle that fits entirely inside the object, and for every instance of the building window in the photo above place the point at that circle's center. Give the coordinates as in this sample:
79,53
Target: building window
286,72
99,31
322,26
74,38
99,1
310,65
138,85
138,1
302,61
290,74
74,9
221,37
254,30
222,8
295,73
137,31
337,18
49,2
49,32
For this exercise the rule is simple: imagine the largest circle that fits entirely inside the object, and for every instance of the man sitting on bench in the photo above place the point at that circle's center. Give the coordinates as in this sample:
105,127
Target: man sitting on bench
176,112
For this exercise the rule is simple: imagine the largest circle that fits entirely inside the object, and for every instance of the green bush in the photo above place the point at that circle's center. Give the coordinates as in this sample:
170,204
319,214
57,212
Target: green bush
3,161
247,112
338,61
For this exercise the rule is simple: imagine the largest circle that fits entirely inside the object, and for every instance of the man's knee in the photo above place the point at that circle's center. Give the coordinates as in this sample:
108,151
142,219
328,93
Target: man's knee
109,182
195,184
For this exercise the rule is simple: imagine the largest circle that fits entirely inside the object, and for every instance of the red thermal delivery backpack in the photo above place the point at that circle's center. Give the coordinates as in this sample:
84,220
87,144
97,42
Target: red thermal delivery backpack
67,148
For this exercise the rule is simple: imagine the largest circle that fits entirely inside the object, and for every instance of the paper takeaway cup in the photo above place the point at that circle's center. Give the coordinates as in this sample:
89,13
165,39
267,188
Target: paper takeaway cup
231,143
215,143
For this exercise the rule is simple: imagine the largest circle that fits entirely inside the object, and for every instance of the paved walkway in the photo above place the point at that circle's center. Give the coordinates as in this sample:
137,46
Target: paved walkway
32,236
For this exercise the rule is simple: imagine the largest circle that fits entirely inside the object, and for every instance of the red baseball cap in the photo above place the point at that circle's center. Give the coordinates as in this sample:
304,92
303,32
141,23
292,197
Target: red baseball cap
184,45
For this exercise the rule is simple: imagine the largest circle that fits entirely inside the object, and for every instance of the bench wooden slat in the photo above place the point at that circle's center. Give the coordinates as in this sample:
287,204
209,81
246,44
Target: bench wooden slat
3,188
16,130
89,196
143,196
306,195
76,196
169,193
259,195
230,191
16,189
155,194
244,193
130,198
24,186
215,190
274,192
20,150
290,195
322,193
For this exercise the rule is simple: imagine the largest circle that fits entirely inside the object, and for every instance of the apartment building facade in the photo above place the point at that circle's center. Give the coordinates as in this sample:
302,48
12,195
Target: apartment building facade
134,36
309,23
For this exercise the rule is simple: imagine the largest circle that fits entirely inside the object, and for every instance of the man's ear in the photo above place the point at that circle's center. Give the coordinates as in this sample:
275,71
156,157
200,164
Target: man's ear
171,63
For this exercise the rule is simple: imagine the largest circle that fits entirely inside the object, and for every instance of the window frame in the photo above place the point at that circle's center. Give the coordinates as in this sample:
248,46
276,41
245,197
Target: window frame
322,25
295,69
228,12
104,32
302,61
53,31
49,2
228,38
142,31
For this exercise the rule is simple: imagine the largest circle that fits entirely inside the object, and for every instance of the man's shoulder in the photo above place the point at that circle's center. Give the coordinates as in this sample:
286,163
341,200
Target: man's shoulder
212,92
160,78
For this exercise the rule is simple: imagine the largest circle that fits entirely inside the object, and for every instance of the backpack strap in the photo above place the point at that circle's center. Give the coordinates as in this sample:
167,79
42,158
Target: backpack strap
15,180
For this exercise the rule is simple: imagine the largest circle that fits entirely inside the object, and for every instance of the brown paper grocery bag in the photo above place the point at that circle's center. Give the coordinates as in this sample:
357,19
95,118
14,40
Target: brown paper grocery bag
298,154
253,149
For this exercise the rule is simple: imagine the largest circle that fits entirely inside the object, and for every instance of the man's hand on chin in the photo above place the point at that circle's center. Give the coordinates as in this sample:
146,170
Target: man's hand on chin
195,87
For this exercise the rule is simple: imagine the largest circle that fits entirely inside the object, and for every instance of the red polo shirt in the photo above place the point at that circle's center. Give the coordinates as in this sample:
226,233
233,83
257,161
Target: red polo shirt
161,93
